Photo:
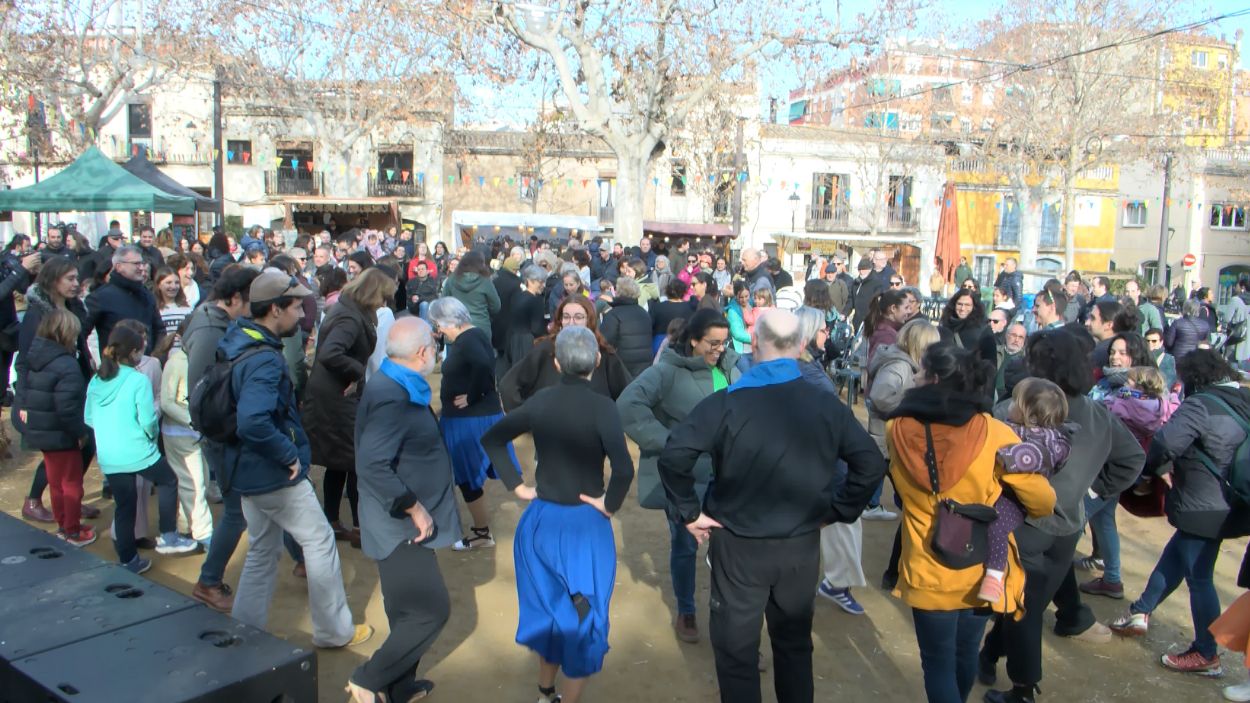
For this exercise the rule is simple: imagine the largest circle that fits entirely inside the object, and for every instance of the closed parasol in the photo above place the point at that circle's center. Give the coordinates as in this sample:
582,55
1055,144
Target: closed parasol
946,249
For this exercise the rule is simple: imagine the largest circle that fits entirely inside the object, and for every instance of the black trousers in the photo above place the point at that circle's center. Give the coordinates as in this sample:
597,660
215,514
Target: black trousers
417,607
771,579
1047,562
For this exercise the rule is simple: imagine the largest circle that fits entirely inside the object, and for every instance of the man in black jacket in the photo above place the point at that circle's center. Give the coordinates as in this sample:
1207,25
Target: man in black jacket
866,288
125,298
507,284
774,440
91,265
1012,281
147,247
56,246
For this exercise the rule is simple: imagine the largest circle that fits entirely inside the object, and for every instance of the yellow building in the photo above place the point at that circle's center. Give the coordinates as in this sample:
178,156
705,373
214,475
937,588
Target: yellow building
990,221
1197,88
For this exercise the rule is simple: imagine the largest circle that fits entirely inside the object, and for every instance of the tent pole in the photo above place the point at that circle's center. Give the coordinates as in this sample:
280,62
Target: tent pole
219,151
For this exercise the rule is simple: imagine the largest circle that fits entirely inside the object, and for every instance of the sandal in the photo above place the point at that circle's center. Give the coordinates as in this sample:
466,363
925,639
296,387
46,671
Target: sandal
480,538
359,694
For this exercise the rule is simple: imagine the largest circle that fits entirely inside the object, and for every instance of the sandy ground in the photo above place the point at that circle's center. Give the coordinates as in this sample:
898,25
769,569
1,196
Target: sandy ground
856,658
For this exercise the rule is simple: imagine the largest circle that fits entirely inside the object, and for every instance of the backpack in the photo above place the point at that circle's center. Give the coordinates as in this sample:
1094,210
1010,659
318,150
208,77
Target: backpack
1236,484
213,404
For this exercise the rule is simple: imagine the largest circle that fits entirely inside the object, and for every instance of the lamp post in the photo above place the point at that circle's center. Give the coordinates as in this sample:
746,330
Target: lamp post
794,209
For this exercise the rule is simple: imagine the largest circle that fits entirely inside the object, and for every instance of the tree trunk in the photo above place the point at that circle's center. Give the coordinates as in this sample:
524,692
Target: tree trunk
1030,226
631,174
1068,211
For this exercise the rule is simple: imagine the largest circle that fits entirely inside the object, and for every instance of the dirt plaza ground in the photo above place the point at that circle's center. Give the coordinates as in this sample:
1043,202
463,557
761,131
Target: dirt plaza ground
856,658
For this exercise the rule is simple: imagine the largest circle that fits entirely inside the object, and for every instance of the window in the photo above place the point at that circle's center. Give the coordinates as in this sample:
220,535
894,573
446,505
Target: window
606,210
945,66
1050,265
827,189
1050,226
911,122
1198,59
987,95
294,164
238,151
899,198
1227,216
677,185
1135,214
393,165
722,200
527,186
878,120
942,95
1009,222
983,270
884,86
965,124
912,64
941,121
139,128
966,94
987,124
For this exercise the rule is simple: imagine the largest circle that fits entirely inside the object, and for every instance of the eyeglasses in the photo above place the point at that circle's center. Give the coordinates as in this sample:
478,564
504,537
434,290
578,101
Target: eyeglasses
140,262
573,318
997,322
714,343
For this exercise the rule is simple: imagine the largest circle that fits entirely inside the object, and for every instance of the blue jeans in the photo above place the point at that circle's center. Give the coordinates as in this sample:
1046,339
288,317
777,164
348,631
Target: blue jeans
1191,559
226,536
683,556
1100,512
949,642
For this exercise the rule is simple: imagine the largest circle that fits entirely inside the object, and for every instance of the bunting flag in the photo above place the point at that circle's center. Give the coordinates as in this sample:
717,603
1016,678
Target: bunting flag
247,156
568,183
403,176
390,174
357,171
495,181
421,177
343,170
373,171
655,181
511,181
525,181
294,162
742,177
585,182
277,161
481,181
229,156
309,164
451,179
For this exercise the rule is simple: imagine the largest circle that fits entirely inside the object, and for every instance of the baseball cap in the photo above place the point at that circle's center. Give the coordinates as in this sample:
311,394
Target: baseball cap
272,285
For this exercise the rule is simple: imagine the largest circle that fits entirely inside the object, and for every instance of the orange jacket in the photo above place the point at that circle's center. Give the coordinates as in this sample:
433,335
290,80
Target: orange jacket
968,472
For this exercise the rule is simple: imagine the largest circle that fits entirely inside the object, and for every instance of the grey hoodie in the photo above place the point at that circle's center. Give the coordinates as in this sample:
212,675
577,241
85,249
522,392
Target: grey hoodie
891,372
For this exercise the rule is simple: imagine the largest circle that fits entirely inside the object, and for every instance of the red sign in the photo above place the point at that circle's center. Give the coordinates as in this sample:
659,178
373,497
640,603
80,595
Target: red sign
1189,260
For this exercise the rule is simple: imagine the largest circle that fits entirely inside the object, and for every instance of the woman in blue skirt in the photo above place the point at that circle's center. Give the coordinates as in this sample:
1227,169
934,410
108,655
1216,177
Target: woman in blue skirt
470,407
564,549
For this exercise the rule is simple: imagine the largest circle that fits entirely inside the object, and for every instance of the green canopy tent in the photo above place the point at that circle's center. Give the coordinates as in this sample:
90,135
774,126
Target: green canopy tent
93,183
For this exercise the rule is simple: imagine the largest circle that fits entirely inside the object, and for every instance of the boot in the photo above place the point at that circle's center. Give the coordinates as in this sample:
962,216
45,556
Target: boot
1017,694
33,510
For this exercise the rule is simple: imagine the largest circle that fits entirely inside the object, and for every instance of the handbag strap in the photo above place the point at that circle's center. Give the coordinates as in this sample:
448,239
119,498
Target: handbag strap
930,459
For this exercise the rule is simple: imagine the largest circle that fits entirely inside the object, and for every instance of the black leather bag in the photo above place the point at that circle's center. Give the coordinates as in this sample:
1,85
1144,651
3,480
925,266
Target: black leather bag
960,538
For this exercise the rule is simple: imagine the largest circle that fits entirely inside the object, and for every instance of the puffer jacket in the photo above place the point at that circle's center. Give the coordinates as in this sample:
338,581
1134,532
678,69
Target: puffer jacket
1184,336
627,328
1196,503
656,401
966,443
1142,415
891,373
478,295
52,396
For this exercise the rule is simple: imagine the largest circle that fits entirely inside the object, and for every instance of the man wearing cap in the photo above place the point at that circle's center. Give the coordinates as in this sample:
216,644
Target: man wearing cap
866,287
102,260
840,283
268,468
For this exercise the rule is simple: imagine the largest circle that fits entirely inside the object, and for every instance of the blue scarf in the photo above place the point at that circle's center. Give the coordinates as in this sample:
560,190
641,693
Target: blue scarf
416,385
768,373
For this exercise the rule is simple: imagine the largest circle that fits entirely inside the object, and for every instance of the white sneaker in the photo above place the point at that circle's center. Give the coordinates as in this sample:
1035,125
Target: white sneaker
1239,693
879,514
175,543
476,539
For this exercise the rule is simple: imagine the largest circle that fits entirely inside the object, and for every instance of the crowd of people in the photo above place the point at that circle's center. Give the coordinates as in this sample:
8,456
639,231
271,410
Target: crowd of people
220,372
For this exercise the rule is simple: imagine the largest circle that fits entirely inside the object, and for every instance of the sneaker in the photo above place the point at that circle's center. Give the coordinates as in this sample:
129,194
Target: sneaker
138,565
1238,694
360,635
479,539
34,511
1097,633
1102,587
992,589
840,596
84,536
174,543
879,514
1089,564
1131,625
219,597
686,627
1191,662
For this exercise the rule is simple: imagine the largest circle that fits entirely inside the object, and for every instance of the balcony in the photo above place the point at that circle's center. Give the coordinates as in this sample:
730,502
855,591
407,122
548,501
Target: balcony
901,217
157,151
292,182
607,214
827,218
382,188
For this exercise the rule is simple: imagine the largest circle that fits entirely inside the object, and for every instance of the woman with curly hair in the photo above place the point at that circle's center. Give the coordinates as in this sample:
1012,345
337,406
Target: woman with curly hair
964,324
537,369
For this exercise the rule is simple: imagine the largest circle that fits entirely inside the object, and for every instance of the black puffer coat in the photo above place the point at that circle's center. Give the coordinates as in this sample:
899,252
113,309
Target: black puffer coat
627,328
345,341
52,396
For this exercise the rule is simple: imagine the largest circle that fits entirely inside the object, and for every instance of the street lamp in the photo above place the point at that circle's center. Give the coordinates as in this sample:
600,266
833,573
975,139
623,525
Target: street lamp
537,18
794,209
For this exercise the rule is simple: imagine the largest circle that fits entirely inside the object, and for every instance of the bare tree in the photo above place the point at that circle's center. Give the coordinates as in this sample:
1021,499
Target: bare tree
70,67
1078,80
632,71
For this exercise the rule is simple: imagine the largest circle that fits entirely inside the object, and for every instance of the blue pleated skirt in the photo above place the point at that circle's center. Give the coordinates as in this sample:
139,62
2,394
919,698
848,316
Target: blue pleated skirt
563,551
469,463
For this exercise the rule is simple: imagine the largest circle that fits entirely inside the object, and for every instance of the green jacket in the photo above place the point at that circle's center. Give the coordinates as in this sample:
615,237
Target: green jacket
656,401
122,413
478,295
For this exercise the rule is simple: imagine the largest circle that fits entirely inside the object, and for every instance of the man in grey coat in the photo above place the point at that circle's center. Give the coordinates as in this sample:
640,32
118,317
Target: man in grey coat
407,510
